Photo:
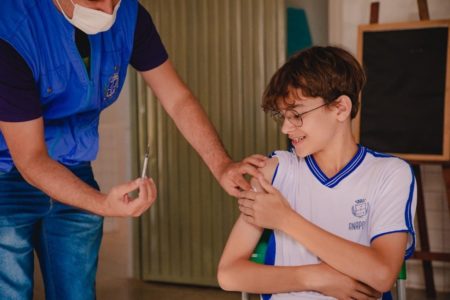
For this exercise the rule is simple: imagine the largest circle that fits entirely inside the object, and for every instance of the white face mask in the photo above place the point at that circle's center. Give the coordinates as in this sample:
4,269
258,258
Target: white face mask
91,21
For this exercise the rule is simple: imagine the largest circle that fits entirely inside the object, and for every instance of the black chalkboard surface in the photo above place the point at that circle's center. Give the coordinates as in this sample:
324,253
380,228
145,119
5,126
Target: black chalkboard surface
405,106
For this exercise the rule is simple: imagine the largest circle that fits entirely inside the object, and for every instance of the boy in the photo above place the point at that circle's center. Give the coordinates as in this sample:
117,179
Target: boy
341,214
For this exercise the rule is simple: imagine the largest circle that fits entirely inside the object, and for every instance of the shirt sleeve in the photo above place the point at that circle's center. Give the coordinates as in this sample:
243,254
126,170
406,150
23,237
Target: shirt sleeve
395,204
148,49
19,95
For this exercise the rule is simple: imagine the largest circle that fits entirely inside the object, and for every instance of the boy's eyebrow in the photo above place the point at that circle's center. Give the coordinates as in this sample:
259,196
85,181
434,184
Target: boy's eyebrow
290,107
298,105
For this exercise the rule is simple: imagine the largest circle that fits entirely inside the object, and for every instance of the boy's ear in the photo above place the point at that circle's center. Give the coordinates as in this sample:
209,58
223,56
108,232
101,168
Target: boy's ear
343,106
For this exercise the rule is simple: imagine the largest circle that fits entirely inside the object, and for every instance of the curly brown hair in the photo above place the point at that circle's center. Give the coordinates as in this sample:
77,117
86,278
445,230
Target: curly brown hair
326,72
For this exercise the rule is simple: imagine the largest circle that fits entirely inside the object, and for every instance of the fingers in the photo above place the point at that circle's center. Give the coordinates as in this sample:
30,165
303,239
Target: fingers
232,179
126,198
248,219
248,169
126,187
245,203
146,197
243,184
246,211
256,160
367,290
246,208
233,191
248,195
266,186
153,190
360,296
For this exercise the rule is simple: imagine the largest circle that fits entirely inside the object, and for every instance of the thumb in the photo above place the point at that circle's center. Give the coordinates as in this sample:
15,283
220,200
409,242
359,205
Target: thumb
127,187
268,188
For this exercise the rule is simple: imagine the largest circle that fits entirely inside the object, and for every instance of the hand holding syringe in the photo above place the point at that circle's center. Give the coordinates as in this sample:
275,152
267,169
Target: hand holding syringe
119,202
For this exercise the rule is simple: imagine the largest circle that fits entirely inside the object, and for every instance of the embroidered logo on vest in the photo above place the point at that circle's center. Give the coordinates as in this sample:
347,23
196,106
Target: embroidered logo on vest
113,84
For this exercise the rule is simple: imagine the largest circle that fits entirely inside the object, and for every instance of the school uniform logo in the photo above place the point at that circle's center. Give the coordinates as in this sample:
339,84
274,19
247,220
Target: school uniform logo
360,209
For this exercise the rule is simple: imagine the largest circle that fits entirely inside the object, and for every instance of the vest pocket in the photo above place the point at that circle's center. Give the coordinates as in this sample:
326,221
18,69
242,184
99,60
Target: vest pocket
52,82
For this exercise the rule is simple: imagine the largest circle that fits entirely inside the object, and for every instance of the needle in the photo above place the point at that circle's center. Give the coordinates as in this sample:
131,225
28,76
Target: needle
144,168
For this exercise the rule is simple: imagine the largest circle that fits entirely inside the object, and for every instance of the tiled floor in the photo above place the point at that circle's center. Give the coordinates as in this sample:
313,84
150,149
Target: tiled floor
112,283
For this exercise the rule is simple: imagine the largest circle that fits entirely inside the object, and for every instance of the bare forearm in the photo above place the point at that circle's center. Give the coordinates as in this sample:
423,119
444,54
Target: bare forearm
195,126
193,123
250,277
357,261
41,171
60,184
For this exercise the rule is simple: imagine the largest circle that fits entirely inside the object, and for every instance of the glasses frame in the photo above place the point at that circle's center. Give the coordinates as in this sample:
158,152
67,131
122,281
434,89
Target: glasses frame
296,118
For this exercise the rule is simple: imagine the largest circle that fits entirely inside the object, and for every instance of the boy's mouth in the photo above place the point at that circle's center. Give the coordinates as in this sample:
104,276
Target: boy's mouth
296,140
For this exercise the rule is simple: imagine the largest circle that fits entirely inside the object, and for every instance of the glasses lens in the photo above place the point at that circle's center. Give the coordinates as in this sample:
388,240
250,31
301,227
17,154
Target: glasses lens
278,117
294,118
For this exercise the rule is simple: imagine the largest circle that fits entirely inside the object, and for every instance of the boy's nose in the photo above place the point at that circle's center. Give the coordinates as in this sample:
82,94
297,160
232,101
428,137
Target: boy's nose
287,127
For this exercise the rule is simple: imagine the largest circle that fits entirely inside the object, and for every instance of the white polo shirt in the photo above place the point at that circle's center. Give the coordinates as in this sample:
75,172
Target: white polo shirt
373,195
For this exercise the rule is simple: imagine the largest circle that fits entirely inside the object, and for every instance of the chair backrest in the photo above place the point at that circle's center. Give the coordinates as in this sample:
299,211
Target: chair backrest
259,254
401,283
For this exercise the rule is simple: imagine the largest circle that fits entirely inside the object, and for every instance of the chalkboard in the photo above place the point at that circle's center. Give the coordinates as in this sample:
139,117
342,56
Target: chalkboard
405,106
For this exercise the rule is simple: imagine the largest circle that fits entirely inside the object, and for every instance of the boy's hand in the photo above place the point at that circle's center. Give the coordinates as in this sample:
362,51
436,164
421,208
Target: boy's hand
268,209
331,282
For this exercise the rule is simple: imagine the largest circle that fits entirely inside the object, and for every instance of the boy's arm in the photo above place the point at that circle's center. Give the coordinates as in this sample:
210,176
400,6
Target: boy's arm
237,273
377,265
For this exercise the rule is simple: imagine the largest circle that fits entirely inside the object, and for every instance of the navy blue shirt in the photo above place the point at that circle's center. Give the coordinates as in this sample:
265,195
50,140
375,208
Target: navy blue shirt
19,94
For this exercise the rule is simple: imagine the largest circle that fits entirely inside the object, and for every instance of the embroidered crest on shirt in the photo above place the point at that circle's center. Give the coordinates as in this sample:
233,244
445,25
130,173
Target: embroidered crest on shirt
360,209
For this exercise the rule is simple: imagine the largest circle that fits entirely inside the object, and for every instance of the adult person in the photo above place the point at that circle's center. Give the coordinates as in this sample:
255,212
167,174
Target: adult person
61,63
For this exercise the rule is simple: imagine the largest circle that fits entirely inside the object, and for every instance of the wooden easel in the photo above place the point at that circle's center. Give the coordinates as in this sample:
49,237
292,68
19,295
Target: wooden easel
424,254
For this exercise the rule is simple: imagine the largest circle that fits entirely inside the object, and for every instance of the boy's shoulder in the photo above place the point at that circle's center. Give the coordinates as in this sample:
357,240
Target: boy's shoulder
276,159
283,155
388,162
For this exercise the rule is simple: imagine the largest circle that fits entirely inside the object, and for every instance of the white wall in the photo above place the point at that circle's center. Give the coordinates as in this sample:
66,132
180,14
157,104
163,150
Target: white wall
345,16
113,166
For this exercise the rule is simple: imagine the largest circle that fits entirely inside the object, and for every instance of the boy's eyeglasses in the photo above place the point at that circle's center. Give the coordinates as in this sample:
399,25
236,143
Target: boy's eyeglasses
293,116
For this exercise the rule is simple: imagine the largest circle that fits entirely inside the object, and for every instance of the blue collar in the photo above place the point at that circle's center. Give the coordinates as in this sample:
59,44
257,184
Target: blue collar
347,170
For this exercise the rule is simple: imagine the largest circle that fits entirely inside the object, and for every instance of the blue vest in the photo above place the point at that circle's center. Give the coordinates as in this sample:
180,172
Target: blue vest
71,99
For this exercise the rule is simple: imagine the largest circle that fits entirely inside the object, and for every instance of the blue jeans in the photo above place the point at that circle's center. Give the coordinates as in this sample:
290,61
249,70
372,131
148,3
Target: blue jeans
66,240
